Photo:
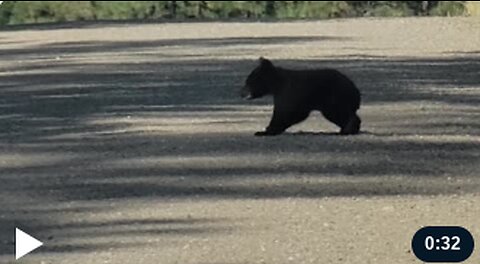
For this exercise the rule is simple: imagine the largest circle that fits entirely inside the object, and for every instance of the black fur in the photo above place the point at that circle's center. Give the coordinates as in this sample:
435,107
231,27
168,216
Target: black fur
298,92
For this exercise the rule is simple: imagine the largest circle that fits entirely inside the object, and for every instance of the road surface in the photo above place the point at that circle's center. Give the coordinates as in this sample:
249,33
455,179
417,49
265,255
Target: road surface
129,143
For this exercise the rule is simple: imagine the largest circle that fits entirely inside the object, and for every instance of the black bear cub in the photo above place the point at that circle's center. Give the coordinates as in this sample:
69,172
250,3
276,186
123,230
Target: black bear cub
298,92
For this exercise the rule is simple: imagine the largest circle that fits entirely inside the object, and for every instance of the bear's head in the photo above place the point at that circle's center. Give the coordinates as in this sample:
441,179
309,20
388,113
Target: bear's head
260,80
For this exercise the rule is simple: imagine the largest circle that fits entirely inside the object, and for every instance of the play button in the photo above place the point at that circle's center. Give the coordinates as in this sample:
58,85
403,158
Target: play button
25,243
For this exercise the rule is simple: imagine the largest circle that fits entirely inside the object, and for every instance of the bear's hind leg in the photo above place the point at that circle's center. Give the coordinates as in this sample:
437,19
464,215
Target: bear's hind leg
349,123
352,126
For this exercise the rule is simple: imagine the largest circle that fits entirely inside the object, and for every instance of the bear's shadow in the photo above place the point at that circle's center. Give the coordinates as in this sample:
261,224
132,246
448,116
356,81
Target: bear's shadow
323,133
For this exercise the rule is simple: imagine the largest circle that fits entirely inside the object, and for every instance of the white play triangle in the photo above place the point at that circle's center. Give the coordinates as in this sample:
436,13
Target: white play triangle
25,243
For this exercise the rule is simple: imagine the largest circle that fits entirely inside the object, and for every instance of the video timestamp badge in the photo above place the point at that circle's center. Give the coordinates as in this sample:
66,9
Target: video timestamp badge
443,244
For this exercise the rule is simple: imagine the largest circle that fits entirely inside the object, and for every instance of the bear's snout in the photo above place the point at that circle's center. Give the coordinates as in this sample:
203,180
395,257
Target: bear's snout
245,93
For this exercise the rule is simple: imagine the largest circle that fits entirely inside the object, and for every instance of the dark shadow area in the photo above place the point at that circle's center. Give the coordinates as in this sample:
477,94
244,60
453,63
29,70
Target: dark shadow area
56,236
87,247
206,167
321,134
71,25
139,22
73,48
36,105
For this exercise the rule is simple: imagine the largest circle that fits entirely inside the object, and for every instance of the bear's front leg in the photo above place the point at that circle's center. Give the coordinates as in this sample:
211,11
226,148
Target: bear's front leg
277,125
282,119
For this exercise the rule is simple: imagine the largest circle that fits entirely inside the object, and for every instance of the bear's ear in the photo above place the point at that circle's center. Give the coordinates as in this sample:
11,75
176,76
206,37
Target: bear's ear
265,62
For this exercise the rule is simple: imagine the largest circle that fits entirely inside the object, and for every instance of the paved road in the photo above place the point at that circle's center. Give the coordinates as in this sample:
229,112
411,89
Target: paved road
127,143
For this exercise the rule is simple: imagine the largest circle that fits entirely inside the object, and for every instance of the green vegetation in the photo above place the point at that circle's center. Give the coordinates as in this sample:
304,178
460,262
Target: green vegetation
449,8
22,12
